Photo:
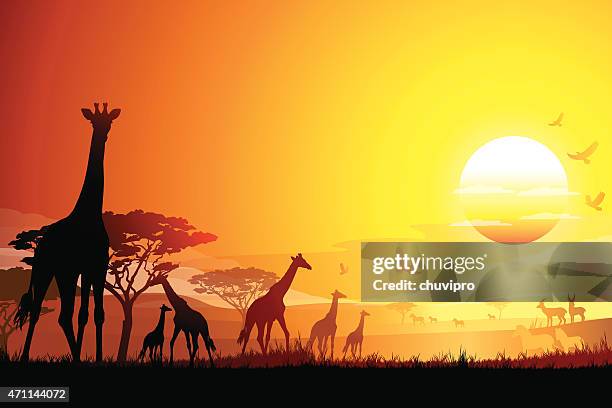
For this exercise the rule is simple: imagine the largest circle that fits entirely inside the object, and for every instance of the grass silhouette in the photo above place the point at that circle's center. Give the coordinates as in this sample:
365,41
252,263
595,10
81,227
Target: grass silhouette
589,356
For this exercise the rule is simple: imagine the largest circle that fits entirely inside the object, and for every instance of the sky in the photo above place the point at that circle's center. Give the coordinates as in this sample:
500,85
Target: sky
300,126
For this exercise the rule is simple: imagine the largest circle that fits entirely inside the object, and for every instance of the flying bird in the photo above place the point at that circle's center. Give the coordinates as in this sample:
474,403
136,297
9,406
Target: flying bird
343,269
595,202
557,122
584,156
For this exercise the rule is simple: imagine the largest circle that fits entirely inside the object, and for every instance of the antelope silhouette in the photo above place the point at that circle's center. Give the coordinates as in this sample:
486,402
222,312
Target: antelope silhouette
270,307
491,317
417,319
573,310
82,233
325,328
459,323
433,319
567,343
154,341
534,343
355,338
551,312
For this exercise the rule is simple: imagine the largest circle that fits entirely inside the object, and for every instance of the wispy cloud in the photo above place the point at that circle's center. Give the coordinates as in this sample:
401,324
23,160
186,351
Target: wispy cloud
482,189
550,216
547,192
480,223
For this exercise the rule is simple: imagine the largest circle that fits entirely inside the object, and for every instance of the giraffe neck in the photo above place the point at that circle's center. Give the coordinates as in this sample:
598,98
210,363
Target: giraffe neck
361,323
175,300
333,310
282,286
92,192
160,323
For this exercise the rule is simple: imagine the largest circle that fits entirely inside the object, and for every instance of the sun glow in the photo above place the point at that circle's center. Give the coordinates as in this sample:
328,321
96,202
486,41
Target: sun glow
514,189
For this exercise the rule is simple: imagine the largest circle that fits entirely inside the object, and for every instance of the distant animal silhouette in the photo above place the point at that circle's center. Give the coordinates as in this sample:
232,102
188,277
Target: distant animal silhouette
154,341
491,317
433,319
566,343
326,327
557,122
187,320
83,235
355,338
584,156
459,323
343,269
551,312
270,307
417,319
573,310
536,344
595,203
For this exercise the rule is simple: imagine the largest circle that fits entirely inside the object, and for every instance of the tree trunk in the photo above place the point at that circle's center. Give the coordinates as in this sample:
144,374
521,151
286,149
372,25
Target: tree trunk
126,331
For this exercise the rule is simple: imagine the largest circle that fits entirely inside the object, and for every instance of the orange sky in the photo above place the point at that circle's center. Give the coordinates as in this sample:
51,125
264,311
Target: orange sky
286,126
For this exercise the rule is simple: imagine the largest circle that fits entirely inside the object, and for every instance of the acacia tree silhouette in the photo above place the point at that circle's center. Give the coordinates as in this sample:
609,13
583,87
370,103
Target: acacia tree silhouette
402,308
13,282
500,306
140,241
238,287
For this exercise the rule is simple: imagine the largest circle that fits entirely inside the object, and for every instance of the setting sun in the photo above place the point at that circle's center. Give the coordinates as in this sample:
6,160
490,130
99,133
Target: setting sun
514,189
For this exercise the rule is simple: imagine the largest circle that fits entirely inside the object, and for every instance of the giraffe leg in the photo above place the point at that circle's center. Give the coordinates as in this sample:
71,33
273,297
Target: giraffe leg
172,340
189,347
360,344
268,330
98,289
83,311
260,336
41,282
67,289
194,340
247,332
161,351
281,321
333,339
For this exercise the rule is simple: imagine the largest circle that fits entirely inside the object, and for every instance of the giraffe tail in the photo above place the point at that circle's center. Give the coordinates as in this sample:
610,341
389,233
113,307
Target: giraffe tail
210,343
25,306
345,348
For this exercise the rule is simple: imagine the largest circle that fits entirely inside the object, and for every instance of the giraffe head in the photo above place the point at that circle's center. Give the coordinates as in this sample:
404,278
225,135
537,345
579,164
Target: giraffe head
158,279
364,313
165,308
338,295
300,262
101,121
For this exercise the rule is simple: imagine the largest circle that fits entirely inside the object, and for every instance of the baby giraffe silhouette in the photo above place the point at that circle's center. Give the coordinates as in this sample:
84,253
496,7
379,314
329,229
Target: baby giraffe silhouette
187,320
154,341
326,327
83,235
355,339
270,307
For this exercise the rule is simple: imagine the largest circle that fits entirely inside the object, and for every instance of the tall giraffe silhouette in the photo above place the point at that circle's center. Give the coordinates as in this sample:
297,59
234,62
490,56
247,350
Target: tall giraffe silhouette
326,327
270,307
355,338
83,235
187,320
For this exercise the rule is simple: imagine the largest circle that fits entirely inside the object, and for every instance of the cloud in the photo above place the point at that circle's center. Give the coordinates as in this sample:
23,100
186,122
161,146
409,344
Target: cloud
480,223
547,192
482,189
550,216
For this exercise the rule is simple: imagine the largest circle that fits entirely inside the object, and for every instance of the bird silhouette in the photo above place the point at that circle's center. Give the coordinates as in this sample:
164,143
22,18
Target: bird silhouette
557,122
343,269
595,202
584,156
